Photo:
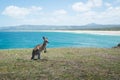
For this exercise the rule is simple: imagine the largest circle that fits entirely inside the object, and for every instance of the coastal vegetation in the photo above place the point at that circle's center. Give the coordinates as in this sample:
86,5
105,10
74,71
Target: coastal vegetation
61,64
92,26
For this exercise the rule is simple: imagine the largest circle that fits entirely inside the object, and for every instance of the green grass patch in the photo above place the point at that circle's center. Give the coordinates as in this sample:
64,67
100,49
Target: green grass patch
61,64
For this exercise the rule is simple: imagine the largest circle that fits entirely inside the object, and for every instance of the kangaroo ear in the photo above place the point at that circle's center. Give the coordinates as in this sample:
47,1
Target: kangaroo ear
43,38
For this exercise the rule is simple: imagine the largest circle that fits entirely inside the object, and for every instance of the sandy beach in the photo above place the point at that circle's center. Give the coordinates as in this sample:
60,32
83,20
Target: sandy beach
115,33
98,32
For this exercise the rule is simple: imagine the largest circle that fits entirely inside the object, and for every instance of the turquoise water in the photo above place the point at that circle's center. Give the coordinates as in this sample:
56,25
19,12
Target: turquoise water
9,40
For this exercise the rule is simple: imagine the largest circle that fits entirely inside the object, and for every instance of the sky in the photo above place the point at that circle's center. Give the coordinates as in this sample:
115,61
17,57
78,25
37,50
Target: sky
59,12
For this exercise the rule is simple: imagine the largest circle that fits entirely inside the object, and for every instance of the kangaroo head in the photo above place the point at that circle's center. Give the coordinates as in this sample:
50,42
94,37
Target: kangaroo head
45,40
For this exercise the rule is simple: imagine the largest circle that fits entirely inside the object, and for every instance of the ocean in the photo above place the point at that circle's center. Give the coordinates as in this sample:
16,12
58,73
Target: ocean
11,40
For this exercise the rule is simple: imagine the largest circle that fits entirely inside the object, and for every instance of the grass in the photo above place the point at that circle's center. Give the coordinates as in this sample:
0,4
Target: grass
61,64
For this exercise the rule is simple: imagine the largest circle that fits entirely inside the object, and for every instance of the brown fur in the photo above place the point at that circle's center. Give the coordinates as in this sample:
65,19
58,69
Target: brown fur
39,48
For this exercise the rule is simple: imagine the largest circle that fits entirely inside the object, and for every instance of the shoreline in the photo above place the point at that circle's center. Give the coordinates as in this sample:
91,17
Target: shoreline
101,32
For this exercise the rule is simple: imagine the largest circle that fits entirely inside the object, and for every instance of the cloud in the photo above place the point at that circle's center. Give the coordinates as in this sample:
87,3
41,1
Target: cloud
91,11
52,18
60,12
108,4
55,17
80,7
87,12
19,12
109,16
111,12
83,7
34,8
95,3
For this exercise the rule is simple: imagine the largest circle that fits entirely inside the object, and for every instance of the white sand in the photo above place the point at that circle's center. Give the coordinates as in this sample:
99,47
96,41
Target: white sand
115,33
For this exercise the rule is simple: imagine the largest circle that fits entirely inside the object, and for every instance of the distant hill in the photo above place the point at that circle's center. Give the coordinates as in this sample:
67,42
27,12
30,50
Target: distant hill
53,27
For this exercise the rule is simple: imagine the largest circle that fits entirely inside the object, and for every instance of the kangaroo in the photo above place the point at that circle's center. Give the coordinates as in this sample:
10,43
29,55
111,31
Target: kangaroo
39,48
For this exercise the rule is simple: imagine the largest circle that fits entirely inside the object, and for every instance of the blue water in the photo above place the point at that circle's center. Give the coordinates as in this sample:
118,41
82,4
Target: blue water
9,40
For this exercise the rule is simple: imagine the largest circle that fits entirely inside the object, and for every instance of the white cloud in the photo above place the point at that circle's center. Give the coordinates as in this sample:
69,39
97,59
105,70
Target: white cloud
86,12
83,7
108,4
112,12
110,16
96,3
15,11
53,18
20,12
60,12
34,8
